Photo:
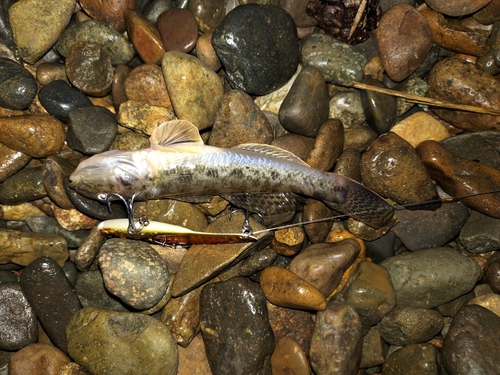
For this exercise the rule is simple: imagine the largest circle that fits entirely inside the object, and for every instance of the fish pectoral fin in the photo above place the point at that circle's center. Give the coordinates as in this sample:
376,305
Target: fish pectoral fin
266,204
269,150
172,132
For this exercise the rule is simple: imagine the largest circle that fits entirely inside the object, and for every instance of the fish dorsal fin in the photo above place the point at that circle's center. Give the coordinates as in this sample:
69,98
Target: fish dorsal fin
269,150
172,132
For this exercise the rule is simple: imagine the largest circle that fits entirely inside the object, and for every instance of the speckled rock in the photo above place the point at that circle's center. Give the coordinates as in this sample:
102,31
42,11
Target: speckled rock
36,358
49,225
36,26
337,334
392,168
18,323
374,349
471,345
243,322
432,277
25,185
133,272
195,90
35,135
415,358
258,47
110,342
111,12
11,161
288,357
347,107
88,249
340,63
142,118
306,105
51,295
257,261
145,37
17,85
91,292
480,234
93,31
239,120
146,84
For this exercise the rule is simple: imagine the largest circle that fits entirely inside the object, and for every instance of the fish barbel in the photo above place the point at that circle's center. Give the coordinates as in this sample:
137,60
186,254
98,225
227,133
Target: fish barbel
179,166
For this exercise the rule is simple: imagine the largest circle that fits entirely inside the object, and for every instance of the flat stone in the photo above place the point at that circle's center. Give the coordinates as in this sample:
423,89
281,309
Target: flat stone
177,213
88,249
193,359
178,30
418,358
11,161
119,342
431,277
111,12
146,84
51,295
457,10
25,185
91,292
72,219
257,261
36,358
404,39
258,47
299,145
374,349
48,18
47,73
49,225
242,321
338,62
480,234
142,118
419,127
380,109
17,85
195,90
145,37
206,53
288,357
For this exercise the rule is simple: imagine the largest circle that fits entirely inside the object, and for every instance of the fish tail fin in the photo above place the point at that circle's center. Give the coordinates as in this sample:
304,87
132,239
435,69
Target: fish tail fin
362,204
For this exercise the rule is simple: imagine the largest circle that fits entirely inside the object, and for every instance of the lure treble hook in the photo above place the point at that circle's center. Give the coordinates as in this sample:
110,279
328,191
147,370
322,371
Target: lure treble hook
134,225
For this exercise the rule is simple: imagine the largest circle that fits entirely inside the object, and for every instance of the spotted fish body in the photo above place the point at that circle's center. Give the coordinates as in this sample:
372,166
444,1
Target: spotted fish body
179,166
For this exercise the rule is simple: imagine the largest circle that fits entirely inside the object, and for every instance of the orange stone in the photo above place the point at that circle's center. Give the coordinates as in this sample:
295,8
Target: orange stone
145,37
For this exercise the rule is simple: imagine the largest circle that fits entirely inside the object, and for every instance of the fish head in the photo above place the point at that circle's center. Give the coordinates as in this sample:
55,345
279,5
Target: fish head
112,172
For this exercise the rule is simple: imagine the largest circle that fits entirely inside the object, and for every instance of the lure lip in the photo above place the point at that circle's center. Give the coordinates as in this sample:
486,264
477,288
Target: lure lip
170,234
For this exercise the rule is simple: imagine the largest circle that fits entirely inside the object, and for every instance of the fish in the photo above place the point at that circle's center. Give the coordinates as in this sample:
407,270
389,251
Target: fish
178,165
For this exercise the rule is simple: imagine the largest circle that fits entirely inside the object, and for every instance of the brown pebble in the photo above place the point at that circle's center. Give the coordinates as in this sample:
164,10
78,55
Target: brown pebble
493,276
299,145
349,164
87,252
11,161
49,72
316,210
457,8
420,127
89,68
178,29
284,288
289,358
458,177
143,118
328,146
193,359
35,135
146,84
145,37
108,11
391,167
118,87
288,241
206,53
55,171
37,359
72,219
359,137
404,39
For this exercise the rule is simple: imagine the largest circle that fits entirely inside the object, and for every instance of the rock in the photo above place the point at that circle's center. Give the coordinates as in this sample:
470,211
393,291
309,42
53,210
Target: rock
431,277
54,172
195,90
338,62
391,167
359,137
404,39
47,73
257,261
178,30
145,37
347,107
471,345
121,342
91,292
298,145
490,301
297,9
459,177
51,295
11,161
177,213
410,325
49,225
17,85
425,229
493,276
272,102
94,31
489,14
306,106
313,210
153,9
133,272
206,53
193,359
111,12
146,84
380,109
18,323
480,234
374,349
142,118
288,357
415,358
88,249
419,127
25,185
457,10
37,359
242,321
337,334
288,241
370,292
20,133
415,85
284,288
348,164
238,120
36,26
457,81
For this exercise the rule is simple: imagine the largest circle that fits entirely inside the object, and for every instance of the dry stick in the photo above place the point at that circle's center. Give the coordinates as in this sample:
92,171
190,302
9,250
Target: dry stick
427,101
359,14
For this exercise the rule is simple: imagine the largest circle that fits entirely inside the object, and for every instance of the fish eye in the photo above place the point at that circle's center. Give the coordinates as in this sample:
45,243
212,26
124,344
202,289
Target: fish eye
102,196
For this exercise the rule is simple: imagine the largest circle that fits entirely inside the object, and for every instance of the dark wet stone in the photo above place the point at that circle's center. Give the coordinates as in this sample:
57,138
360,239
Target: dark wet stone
306,106
178,30
91,130
11,161
5,29
93,31
480,234
410,325
258,46
257,261
298,145
17,85
422,359
348,164
340,63
374,349
18,323
424,229
431,277
313,210
380,109
382,248
234,311
493,276
91,292
88,250
337,334
51,295
111,11
154,8
55,171
133,272
58,98
71,272
110,342
7,277
472,345
25,185
47,224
